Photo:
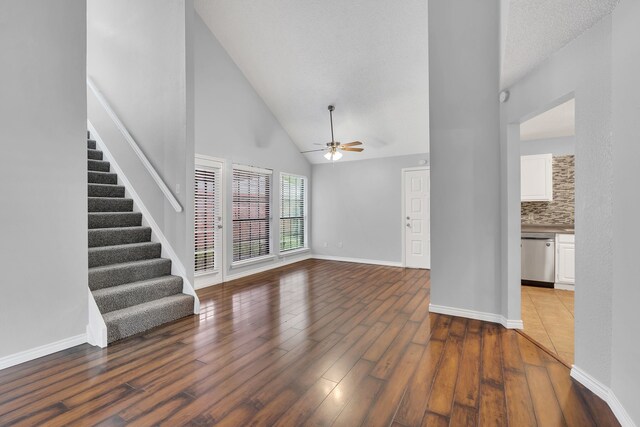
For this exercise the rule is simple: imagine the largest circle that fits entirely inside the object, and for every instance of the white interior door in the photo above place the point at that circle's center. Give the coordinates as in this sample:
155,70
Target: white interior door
208,222
417,219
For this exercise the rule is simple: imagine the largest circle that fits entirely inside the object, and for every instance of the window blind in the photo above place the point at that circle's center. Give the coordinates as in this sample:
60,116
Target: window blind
208,216
251,212
292,212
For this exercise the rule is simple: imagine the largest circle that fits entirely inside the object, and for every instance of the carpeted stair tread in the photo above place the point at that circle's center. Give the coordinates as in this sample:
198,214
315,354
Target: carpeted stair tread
127,272
142,317
114,219
118,236
117,254
105,190
95,177
130,294
94,154
91,144
110,204
98,165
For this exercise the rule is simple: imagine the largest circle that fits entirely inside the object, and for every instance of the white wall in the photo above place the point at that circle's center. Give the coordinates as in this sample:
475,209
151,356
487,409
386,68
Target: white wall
556,146
359,203
43,173
582,68
232,122
464,50
137,56
625,375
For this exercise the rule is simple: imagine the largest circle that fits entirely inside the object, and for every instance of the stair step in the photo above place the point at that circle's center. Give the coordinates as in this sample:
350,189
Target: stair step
118,254
102,178
105,190
139,318
94,154
99,237
98,165
110,204
91,143
114,219
130,294
127,272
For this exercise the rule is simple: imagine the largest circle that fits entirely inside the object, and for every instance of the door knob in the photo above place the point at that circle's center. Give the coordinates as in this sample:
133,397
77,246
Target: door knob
408,217
408,225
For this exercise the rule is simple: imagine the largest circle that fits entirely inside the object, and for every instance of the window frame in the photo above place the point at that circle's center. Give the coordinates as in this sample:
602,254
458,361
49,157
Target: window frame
271,254
305,211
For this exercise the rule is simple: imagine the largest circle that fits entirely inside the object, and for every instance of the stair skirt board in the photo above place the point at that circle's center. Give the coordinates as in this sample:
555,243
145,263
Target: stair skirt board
131,285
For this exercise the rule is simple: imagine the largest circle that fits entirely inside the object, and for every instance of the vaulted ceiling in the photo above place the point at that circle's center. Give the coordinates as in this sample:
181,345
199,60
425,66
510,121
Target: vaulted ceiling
369,58
535,29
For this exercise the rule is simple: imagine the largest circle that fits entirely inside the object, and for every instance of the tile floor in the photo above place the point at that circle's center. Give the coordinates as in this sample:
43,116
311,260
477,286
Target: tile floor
548,318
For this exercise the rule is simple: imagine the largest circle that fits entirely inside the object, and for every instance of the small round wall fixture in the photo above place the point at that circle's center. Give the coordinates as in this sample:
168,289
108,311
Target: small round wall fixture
504,96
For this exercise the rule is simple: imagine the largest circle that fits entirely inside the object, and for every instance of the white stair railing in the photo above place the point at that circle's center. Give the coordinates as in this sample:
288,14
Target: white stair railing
134,146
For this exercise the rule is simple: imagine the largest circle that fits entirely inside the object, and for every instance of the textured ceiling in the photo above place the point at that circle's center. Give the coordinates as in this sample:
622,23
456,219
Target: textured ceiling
556,122
367,57
538,28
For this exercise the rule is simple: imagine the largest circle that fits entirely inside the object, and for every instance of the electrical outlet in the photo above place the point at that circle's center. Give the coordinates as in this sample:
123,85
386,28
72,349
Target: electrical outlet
177,188
340,244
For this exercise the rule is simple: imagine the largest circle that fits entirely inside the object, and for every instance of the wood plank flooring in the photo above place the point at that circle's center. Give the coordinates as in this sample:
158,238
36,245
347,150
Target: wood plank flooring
548,318
317,343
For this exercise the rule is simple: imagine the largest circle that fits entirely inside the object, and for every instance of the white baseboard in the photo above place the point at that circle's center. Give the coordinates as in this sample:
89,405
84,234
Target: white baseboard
564,287
359,260
276,264
604,393
44,350
477,315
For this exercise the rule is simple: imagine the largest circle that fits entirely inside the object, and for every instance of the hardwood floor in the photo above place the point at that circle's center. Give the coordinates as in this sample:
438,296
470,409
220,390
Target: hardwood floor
316,343
549,320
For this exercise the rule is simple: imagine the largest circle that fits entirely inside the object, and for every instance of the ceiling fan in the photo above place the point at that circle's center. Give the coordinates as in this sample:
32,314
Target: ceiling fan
334,147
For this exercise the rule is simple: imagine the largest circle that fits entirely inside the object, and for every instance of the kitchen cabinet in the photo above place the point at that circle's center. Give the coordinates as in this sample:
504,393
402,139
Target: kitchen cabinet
565,261
536,178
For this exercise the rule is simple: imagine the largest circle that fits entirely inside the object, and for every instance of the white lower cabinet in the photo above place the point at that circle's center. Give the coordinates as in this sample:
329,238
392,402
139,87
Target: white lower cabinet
565,261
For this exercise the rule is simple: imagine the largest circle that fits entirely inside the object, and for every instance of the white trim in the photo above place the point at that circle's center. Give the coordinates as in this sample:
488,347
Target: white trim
251,261
96,328
256,169
359,260
208,279
564,287
280,263
403,232
292,252
134,146
478,315
43,350
604,393
167,251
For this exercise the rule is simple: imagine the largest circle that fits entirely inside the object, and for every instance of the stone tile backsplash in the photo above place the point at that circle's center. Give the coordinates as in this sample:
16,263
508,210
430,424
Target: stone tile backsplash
561,209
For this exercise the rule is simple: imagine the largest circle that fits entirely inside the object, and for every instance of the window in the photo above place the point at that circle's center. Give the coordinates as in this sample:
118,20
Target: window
251,212
292,212
208,216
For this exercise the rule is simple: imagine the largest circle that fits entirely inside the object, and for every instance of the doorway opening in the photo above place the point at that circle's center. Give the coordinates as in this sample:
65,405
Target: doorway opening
416,218
547,210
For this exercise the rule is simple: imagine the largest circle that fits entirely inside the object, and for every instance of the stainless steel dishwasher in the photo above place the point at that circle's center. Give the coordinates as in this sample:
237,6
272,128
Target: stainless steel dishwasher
538,257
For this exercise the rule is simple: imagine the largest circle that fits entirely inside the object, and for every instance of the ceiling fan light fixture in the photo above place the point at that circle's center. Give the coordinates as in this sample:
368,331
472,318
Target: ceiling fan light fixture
333,155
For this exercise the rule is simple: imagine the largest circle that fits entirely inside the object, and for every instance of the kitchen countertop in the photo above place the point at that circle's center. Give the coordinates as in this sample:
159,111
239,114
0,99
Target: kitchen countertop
548,228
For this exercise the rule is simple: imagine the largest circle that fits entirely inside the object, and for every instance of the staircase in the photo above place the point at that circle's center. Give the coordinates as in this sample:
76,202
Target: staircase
131,284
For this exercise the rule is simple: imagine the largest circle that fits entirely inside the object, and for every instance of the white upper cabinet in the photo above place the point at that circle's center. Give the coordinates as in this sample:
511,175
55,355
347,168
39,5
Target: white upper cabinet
536,181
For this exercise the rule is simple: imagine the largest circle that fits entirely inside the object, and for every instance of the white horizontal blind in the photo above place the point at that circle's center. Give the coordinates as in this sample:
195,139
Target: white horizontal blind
251,212
208,216
292,212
